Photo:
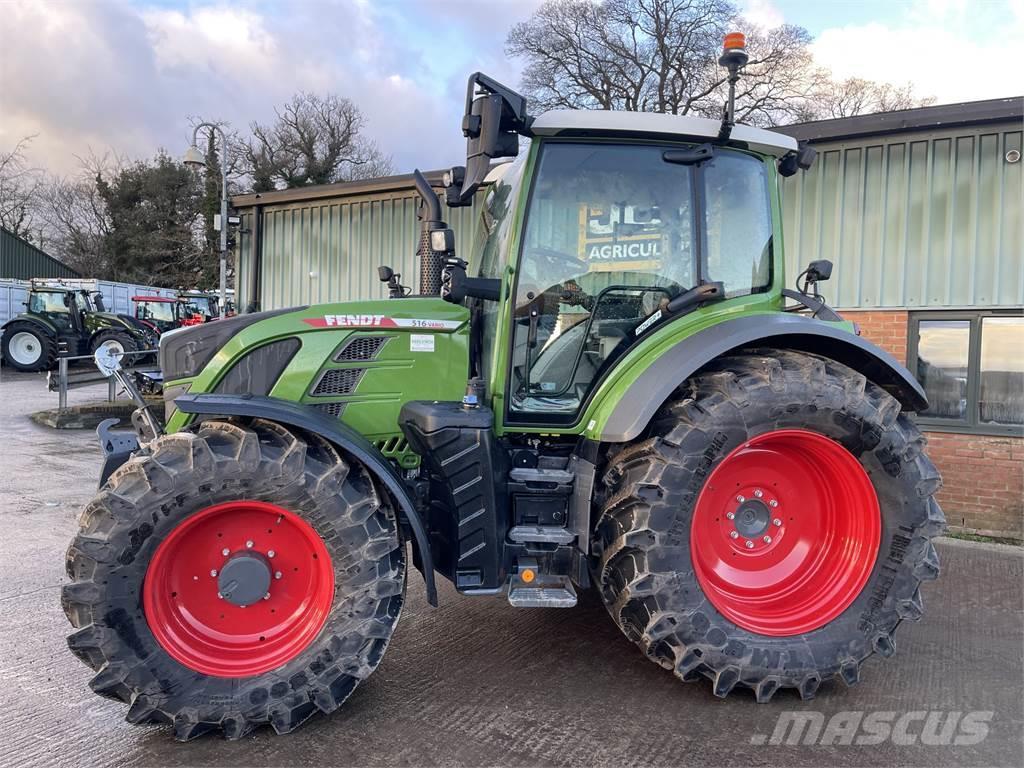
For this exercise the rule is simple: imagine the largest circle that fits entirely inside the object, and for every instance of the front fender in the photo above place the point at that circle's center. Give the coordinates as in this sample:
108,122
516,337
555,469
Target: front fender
638,403
344,437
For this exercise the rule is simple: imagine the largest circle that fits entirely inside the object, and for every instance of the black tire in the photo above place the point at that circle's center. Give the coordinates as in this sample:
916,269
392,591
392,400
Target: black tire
128,342
643,565
182,473
46,345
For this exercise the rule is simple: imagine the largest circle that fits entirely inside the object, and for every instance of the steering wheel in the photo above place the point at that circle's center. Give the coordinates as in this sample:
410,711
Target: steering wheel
559,261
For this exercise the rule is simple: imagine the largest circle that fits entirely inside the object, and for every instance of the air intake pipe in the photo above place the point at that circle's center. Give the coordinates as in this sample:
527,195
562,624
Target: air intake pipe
431,261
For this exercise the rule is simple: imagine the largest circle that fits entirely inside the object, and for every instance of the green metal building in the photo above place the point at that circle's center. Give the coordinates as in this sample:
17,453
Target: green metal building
919,208
21,260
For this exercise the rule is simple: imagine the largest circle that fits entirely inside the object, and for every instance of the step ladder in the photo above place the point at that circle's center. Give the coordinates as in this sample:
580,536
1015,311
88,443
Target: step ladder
543,591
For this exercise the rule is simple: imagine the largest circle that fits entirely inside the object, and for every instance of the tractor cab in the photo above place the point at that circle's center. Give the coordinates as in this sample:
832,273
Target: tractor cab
164,313
201,304
65,308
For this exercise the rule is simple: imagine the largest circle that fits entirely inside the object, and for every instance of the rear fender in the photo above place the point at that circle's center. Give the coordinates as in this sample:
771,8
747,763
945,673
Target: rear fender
641,399
41,324
342,436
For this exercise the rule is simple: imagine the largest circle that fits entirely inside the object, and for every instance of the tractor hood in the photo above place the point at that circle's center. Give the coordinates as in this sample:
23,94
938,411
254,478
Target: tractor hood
358,361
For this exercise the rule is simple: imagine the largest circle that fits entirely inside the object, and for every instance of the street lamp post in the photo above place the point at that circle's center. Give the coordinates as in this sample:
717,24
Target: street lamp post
196,158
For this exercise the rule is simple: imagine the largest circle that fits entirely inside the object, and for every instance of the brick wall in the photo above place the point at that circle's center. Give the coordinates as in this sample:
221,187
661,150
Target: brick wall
983,476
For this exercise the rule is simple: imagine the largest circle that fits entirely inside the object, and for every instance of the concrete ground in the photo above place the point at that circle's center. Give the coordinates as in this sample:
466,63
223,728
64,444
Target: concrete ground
477,682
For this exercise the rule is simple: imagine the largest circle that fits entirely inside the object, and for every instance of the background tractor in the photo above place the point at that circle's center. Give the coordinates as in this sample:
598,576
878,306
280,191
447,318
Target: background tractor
164,313
61,321
618,399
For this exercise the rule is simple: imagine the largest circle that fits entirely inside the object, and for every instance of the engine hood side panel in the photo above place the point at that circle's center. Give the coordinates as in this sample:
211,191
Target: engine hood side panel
416,349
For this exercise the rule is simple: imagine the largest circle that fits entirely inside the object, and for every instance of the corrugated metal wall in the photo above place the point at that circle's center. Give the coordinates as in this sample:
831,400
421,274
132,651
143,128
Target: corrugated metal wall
329,250
909,220
913,220
22,261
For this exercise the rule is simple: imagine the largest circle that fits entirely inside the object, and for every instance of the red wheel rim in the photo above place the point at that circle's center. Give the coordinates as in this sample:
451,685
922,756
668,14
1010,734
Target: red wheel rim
230,548
785,532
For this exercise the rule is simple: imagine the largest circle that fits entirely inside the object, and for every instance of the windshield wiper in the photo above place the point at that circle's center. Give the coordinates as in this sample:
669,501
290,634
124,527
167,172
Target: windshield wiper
691,156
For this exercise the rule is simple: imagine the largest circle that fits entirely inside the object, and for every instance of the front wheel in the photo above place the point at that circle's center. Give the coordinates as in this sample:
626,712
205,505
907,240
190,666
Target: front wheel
117,342
772,528
232,577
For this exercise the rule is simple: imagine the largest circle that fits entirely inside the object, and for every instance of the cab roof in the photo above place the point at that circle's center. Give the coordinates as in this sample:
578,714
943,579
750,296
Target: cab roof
573,122
154,298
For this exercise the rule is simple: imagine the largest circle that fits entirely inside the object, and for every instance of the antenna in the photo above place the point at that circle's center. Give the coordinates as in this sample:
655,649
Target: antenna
734,56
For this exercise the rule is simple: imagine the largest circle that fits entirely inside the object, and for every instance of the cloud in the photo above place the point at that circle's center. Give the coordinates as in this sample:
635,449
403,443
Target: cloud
762,13
110,74
932,46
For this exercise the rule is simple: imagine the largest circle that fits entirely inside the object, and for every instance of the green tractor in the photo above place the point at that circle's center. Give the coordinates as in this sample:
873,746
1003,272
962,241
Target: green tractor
617,400
65,322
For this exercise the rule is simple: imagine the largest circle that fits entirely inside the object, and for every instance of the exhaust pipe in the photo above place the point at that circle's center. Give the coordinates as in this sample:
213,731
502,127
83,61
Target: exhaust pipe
431,261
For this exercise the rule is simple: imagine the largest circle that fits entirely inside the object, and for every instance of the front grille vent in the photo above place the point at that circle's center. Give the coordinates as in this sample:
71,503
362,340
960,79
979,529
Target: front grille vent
332,409
338,381
361,348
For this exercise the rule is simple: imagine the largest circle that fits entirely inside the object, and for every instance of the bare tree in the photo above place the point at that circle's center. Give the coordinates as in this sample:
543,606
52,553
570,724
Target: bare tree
19,190
314,140
74,215
856,96
661,56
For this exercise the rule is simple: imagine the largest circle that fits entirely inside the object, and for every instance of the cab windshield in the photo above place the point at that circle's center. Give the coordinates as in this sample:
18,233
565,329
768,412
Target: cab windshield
612,233
49,302
157,310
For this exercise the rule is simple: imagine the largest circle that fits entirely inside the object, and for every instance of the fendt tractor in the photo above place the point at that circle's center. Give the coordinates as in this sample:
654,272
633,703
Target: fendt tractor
61,321
618,398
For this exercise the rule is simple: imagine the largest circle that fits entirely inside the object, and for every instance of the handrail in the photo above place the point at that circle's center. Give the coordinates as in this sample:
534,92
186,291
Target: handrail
62,382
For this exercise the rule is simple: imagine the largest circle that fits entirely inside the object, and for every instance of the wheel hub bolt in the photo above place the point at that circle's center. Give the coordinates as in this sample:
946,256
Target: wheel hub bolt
741,499
773,503
225,551
271,553
733,535
277,574
776,522
759,493
266,596
213,572
248,544
767,539
749,544
730,515
220,595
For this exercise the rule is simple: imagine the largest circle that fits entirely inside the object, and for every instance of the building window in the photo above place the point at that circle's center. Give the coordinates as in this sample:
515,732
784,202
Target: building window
971,366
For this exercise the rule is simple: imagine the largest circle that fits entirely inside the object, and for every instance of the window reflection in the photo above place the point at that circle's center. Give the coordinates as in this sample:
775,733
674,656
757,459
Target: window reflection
942,362
1001,396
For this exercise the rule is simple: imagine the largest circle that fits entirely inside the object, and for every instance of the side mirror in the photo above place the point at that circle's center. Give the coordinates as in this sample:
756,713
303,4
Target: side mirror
819,271
107,360
493,121
801,159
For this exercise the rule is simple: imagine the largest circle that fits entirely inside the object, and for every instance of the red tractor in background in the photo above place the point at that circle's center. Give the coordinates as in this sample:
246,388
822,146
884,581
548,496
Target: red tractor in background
163,313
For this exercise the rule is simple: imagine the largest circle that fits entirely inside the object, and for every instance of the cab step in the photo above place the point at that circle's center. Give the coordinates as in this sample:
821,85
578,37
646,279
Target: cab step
545,534
543,592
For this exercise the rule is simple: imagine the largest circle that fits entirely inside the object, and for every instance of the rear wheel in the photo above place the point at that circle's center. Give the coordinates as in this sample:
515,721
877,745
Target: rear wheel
26,347
237,576
772,528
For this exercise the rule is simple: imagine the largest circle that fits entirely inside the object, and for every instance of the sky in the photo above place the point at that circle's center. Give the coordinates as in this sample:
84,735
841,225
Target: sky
122,76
